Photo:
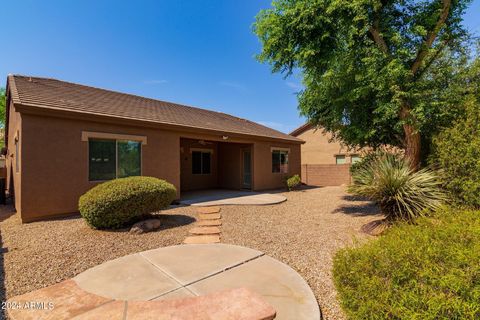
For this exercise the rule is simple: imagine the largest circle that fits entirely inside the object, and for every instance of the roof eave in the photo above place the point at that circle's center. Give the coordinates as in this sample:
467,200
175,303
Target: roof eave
39,109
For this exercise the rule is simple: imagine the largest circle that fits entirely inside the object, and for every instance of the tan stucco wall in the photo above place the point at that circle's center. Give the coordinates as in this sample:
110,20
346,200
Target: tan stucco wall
190,181
264,178
14,130
54,166
318,149
55,161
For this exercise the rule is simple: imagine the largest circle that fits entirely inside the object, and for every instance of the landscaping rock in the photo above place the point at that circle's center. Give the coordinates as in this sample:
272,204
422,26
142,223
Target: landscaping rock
145,226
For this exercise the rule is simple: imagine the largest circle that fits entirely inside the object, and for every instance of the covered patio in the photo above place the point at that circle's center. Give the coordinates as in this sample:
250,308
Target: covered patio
217,197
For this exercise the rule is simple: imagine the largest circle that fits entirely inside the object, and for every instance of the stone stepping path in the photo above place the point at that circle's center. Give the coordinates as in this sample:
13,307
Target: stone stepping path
209,223
207,228
210,216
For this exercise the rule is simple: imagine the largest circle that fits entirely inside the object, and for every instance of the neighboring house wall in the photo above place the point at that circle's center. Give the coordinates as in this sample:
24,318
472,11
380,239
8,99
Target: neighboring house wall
319,158
320,149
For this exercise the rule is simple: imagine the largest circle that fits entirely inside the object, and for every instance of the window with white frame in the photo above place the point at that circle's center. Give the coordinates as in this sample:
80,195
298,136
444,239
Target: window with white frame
340,159
354,158
109,159
279,161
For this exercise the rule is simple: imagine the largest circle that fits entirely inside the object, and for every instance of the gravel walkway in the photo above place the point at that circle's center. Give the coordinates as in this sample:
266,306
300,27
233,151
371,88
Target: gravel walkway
43,253
303,232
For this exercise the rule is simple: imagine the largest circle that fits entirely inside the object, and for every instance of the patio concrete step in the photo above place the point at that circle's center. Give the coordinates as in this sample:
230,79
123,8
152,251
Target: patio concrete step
204,239
209,216
205,230
209,223
214,209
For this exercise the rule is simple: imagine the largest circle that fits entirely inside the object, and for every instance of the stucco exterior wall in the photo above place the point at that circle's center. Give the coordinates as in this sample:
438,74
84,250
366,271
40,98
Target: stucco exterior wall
319,150
54,160
14,178
190,181
264,178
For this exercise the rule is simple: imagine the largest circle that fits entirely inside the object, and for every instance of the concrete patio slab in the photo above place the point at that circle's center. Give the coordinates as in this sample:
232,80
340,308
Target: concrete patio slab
171,274
190,263
127,278
229,197
204,230
202,239
282,287
176,294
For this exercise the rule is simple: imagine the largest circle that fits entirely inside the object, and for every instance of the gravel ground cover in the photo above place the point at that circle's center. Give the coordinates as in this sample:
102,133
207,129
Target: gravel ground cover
39,254
303,232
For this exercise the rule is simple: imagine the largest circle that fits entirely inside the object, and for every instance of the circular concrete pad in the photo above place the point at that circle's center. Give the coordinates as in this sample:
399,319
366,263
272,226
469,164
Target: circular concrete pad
194,270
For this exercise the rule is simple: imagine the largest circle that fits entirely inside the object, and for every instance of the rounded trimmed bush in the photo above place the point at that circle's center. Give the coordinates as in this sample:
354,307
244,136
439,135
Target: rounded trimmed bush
116,203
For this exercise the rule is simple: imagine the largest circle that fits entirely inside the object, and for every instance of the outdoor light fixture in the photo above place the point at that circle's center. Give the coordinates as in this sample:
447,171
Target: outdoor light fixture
225,137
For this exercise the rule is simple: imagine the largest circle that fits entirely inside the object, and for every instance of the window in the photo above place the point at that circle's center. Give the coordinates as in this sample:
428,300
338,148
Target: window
355,158
201,162
110,159
340,159
17,157
279,161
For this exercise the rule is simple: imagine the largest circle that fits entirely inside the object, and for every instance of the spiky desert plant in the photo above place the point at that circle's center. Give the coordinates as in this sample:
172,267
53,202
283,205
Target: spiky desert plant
400,191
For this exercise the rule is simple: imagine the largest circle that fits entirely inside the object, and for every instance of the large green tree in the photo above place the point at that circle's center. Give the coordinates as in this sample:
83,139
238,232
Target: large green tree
368,66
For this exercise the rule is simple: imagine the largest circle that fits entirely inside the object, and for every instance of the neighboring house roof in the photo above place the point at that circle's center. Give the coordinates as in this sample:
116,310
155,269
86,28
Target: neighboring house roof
66,96
301,129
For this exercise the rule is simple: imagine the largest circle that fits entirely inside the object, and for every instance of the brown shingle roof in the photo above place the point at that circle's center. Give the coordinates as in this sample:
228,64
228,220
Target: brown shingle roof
67,96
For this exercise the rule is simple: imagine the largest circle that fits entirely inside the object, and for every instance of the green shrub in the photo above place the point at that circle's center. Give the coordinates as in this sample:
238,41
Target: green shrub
293,182
430,270
401,192
457,151
116,203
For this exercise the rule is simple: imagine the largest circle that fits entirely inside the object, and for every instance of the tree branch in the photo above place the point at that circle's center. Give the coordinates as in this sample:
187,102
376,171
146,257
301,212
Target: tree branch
432,59
377,37
431,35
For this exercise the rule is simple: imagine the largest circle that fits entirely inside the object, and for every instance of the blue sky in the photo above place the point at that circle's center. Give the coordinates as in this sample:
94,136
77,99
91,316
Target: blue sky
199,53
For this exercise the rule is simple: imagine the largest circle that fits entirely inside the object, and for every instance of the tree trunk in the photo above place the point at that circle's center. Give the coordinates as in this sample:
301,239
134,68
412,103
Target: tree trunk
412,141
413,145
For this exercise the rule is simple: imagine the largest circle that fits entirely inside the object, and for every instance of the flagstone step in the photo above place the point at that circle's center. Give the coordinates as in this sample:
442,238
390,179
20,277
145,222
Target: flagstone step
209,216
205,230
204,239
209,223
208,210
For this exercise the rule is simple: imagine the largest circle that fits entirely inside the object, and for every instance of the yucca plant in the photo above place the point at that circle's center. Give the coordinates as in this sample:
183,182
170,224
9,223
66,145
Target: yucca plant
400,191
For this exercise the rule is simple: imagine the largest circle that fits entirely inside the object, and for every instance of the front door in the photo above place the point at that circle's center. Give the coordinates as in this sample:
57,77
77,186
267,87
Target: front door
246,168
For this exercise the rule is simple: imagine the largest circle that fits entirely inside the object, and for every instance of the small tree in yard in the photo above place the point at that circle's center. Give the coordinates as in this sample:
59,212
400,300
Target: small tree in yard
370,69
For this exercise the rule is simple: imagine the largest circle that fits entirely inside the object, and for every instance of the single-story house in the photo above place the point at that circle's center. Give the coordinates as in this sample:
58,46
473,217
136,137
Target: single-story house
64,138
325,161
